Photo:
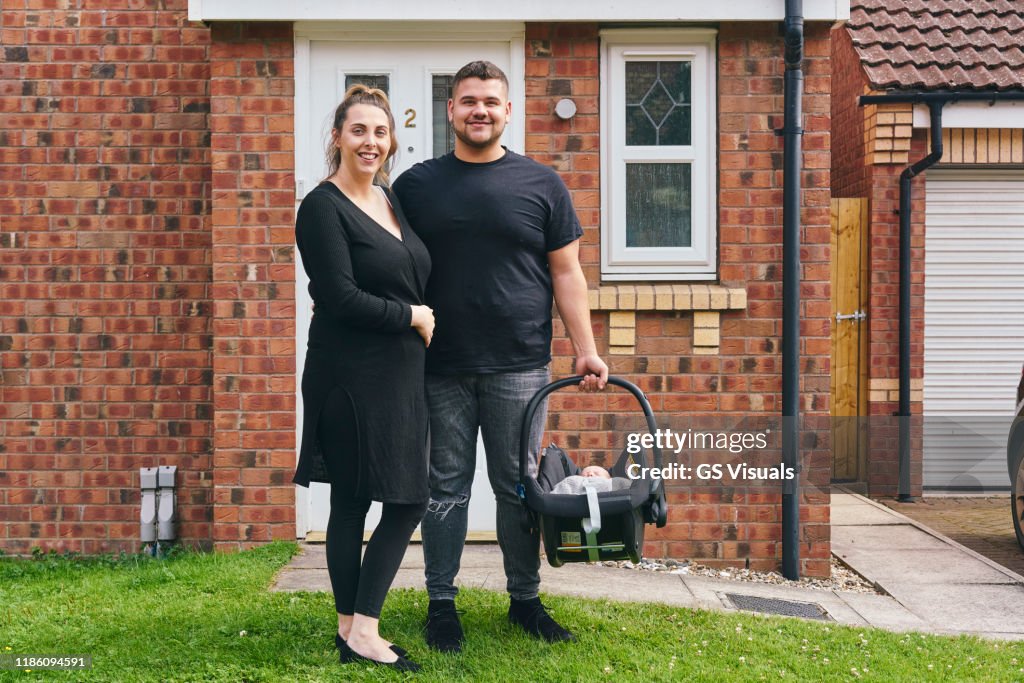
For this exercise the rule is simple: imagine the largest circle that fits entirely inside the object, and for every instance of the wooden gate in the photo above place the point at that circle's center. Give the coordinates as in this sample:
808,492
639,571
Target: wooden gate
850,279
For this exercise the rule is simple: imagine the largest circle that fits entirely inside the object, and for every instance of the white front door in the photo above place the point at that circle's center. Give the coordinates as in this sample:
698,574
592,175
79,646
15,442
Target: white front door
416,71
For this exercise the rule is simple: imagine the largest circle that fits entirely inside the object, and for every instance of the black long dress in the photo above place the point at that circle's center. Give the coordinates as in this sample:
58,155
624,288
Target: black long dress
362,282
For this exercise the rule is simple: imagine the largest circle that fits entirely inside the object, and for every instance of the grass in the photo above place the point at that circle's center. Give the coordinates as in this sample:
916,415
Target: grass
209,617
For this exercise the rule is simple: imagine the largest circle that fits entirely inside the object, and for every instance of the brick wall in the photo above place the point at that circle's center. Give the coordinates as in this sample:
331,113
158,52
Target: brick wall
104,270
713,523
561,61
850,176
253,151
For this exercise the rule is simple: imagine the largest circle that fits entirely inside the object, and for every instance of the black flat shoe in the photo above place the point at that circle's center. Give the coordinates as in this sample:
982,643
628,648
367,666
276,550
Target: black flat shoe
345,652
348,656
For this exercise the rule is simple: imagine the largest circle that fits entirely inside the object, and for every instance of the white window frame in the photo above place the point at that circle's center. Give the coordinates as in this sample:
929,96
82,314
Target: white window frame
699,261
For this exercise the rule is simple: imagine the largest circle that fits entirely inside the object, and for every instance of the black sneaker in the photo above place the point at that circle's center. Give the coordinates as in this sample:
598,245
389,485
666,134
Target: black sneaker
444,630
534,619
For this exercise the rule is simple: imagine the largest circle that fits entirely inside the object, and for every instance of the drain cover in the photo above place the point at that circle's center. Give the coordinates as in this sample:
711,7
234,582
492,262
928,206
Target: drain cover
788,608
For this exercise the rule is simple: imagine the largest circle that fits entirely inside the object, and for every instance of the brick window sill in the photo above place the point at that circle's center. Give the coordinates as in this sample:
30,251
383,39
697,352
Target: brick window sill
696,297
706,302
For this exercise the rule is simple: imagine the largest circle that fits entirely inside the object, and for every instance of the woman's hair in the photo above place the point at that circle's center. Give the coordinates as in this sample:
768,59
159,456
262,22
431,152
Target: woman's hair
361,94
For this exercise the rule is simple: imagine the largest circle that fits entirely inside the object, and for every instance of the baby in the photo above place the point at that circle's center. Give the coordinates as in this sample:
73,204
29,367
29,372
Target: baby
595,471
593,477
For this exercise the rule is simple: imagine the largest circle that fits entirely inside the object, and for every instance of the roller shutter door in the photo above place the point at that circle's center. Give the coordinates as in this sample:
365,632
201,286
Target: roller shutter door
974,325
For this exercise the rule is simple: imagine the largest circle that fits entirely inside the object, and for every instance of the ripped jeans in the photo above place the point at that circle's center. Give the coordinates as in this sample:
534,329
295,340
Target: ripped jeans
459,405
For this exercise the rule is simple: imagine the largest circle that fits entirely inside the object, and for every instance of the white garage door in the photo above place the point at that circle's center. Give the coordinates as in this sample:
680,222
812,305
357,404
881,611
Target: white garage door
974,325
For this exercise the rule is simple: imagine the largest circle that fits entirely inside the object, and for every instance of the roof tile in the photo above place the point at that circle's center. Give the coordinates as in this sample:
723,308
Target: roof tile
940,44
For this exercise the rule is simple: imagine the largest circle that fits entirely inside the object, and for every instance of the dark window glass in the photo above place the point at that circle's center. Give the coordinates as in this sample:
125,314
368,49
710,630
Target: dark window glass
444,139
658,205
379,81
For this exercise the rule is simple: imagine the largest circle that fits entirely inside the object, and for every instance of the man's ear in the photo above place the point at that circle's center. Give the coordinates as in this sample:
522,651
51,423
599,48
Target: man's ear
451,109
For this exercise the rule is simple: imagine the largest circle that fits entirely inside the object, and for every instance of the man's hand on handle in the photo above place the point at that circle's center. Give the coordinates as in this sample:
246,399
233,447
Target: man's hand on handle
594,371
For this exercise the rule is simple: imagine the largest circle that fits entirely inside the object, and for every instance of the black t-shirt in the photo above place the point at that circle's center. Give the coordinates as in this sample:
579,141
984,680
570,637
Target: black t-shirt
489,228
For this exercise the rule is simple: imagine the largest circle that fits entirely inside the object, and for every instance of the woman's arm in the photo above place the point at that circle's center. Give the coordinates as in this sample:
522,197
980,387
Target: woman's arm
323,242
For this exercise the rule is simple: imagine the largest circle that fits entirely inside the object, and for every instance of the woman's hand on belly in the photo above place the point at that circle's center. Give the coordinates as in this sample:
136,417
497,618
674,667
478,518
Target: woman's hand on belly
423,322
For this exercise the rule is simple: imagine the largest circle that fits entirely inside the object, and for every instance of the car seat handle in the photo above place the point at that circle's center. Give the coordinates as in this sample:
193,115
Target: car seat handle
526,433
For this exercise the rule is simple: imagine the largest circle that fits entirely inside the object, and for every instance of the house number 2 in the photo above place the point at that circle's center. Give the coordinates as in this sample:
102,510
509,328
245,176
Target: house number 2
409,122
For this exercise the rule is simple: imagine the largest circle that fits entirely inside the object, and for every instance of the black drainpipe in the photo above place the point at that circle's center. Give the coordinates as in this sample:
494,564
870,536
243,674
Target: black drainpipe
935,102
793,37
903,413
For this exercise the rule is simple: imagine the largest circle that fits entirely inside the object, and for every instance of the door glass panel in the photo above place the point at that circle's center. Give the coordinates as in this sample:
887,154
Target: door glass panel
658,103
379,81
444,139
658,205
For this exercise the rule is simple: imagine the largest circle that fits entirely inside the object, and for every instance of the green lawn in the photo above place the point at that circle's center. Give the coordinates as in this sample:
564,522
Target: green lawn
209,617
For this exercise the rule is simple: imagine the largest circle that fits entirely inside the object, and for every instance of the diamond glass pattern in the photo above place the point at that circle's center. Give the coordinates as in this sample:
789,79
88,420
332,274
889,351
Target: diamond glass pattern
658,103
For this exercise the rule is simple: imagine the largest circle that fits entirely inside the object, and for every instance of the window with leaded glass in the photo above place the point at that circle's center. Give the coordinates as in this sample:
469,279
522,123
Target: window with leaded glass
443,136
658,154
378,81
658,103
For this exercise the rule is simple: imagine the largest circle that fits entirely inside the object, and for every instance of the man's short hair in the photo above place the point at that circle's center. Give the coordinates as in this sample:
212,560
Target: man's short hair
483,70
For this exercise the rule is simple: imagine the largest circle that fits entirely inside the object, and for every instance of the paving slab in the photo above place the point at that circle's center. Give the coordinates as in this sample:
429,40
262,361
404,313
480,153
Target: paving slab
860,515
919,567
291,579
477,555
892,537
974,609
841,497
310,557
611,583
883,611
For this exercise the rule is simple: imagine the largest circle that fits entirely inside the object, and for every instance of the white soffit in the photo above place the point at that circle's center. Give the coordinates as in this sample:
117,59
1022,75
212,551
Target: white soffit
521,10
974,115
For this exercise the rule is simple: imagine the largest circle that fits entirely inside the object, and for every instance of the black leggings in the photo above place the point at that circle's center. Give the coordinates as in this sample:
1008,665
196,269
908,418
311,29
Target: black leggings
358,588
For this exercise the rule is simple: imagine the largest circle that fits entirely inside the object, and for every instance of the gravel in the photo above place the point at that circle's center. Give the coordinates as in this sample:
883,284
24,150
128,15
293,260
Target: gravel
842,578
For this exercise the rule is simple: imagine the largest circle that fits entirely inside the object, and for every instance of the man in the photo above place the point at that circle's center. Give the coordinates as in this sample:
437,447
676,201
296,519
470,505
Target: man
503,237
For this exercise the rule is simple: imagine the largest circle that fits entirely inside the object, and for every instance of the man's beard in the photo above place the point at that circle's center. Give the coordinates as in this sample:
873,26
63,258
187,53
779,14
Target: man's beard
462,135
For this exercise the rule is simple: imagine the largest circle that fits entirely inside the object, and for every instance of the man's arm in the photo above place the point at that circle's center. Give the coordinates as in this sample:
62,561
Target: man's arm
571,298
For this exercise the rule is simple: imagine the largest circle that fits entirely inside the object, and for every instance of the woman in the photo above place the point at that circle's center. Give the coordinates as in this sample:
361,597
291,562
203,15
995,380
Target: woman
364,426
